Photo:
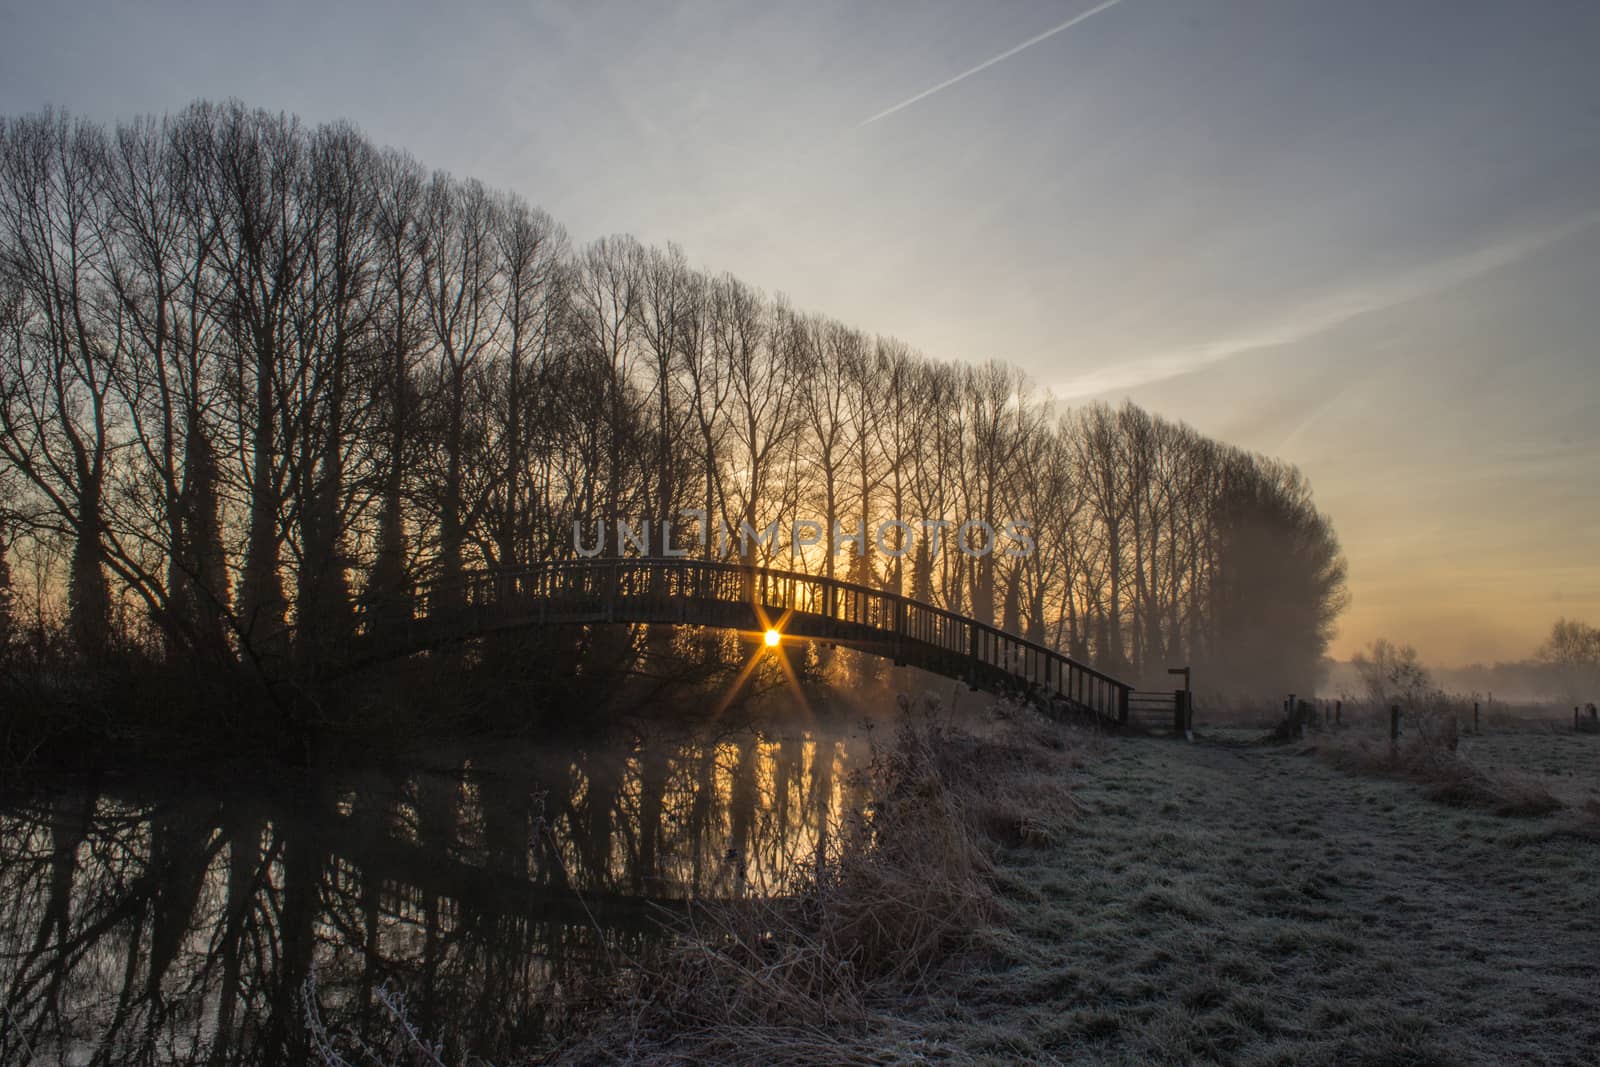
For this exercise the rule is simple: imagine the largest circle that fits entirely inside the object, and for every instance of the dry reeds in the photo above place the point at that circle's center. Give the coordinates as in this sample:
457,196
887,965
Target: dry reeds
816,975
1428,756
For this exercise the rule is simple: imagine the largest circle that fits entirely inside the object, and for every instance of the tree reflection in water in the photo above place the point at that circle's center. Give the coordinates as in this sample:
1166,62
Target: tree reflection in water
139,925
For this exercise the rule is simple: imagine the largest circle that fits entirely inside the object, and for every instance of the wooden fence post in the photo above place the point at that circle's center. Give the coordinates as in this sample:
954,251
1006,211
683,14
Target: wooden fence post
1394,723
1474,716
1183,714
972,655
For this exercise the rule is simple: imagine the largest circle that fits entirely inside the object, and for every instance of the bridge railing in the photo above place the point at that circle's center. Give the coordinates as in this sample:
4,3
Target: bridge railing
690,591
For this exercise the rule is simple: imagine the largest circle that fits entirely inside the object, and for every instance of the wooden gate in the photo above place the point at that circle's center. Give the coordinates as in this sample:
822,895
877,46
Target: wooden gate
1171,711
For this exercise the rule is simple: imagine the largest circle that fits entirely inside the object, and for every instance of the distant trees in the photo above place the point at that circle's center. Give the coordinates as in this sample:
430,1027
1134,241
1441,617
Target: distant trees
1392,674
1571,643
1572,654
260,380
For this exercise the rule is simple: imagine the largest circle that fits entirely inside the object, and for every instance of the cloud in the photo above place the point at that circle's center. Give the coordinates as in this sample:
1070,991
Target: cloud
1323,315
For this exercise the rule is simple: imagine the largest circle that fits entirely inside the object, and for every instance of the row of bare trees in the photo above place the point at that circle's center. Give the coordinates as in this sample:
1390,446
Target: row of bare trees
256,378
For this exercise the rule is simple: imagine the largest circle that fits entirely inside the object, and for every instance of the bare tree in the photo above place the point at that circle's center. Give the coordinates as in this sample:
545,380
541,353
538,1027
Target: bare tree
1392,673
254,193
336,316
607,292
56,382
830,353
521,380
759,344
708,381
458,269
400,198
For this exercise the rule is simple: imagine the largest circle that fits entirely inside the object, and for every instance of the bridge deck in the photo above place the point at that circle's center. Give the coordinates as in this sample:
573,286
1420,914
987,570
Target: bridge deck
731,595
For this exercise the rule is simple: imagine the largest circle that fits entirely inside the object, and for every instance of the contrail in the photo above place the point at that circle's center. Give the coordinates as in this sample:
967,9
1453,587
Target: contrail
986,64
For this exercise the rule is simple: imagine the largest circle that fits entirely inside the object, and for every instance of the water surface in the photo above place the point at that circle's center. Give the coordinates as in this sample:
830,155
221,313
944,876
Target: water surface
142,922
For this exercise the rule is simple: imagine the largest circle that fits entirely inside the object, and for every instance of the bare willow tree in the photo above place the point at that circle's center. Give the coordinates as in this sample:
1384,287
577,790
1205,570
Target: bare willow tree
997,420
254,193
58,408
521,378
669,310
458,273
898,379
400,193
707,389
607,292
828,352
162,279
332,396
760,346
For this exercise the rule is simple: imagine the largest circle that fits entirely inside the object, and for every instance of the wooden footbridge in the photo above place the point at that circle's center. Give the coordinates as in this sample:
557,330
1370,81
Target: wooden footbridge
731,595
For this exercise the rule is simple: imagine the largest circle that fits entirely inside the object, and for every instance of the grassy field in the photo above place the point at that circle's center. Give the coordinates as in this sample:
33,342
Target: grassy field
1567,763
1248,904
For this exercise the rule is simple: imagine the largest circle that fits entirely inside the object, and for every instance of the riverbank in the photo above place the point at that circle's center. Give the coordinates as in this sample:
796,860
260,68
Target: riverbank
138,714
839,969
1217,903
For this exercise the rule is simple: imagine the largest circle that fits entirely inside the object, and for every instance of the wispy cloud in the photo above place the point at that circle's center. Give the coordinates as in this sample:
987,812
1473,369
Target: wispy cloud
1320,316
986,64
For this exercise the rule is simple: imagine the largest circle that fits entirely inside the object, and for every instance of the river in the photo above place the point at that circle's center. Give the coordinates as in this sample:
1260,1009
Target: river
151,921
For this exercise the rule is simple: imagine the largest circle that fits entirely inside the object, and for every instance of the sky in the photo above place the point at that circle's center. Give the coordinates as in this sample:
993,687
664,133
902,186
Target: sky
1360,235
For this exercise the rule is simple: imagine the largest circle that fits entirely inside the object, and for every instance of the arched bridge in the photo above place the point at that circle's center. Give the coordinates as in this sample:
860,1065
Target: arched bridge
735,596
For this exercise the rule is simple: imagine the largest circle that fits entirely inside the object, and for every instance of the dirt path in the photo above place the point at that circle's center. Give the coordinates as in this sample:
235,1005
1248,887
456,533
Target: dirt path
1248,905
